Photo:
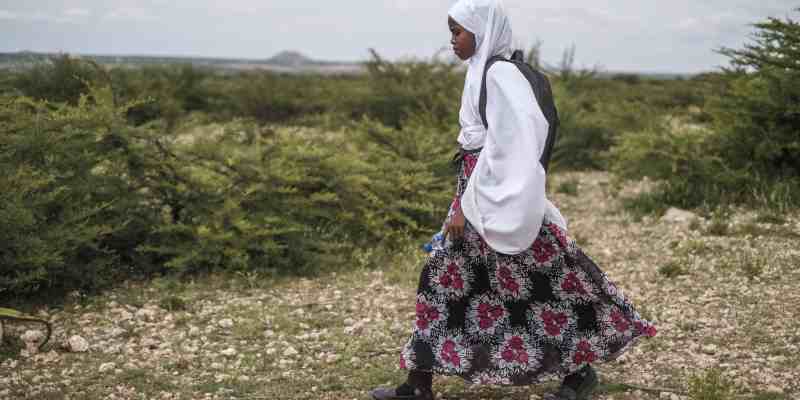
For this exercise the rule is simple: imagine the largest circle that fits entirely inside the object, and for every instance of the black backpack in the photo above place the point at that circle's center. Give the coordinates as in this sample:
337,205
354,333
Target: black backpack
544,96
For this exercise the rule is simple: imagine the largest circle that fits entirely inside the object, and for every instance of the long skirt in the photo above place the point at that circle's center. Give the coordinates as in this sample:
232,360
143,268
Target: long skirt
500,319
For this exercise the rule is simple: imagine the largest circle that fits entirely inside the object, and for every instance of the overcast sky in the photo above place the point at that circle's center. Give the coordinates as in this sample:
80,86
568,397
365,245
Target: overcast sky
615,35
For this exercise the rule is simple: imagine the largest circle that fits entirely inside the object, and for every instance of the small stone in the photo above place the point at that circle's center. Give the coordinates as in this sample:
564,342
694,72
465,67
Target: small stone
674,396
145,314
125,316
290,351
116,332
32,336
194,331
709,349
77,344
217,366
150,343
226,323
229,352
105,367
676,215
774,389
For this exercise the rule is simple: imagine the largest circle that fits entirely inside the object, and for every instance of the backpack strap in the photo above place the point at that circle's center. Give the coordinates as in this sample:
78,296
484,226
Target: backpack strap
482,100
541,90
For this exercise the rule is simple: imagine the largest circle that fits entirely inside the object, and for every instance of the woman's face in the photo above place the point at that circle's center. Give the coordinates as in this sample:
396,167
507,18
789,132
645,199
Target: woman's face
463,41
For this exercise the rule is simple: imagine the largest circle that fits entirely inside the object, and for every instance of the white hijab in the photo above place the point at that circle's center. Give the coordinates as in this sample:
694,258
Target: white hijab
505,198
487,20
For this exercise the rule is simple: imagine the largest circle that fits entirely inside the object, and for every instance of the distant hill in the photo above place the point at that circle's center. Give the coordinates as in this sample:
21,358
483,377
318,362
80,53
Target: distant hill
291,59
287,62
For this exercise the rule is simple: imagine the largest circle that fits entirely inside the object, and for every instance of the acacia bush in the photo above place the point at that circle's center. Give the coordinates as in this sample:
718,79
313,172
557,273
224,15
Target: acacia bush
91,199
65,199
61,79
751,153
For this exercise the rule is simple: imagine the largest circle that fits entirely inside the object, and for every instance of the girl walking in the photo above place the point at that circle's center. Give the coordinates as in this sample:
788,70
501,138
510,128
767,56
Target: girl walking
509,299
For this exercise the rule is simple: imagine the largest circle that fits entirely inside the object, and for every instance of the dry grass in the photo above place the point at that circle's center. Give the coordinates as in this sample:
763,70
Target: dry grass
728,322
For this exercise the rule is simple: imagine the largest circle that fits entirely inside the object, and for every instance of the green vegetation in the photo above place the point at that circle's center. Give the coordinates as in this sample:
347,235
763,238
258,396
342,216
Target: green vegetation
749,152
711,385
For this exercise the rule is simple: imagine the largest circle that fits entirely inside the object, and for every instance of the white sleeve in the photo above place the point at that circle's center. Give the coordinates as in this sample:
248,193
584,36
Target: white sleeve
505,198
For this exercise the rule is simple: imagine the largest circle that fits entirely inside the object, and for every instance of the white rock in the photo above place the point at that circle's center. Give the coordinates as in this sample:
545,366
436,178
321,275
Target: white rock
674,396
226,323
229,352
676,215
290,351
105,367
331,358
32,336
194,331
145,314
775,389
150,343
125,316
217,366
709,349
116,332
77,344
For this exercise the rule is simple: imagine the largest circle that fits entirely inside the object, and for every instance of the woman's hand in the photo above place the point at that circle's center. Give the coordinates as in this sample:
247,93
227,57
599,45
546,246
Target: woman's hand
455,228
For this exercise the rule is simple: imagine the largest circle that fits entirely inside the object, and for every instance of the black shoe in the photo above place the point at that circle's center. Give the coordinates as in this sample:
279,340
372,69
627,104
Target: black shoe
587,383
402,392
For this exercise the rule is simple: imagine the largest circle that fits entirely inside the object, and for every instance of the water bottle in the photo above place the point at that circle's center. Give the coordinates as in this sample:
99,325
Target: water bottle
436,243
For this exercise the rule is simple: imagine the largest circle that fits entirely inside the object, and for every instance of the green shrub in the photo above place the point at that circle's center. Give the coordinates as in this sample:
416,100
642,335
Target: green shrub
65,201
711,385
568,187
61,78
751,152
759,113
672,269
401,90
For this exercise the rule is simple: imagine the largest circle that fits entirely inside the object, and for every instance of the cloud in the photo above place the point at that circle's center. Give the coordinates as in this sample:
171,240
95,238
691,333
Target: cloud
77,12
132,14
5,14
68,16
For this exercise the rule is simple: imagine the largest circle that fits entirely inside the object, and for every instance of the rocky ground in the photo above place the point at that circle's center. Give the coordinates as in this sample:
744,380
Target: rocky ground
721,289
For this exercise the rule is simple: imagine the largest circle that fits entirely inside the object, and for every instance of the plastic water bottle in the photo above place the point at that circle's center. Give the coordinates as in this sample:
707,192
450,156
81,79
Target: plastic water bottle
436,243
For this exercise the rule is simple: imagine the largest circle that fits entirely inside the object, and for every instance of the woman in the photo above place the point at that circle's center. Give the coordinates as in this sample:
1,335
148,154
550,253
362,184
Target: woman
509,299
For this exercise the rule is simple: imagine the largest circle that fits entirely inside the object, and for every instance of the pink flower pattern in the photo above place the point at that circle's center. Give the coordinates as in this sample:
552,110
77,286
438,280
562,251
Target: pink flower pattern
489,313
452,279
550,322
543,250
584,353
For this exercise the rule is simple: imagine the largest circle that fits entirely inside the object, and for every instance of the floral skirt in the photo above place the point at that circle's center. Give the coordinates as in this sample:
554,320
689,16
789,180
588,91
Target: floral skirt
494,318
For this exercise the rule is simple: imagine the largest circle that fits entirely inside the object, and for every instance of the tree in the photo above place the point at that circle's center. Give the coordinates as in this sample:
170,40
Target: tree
759,114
